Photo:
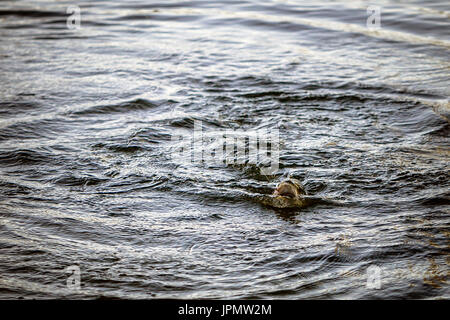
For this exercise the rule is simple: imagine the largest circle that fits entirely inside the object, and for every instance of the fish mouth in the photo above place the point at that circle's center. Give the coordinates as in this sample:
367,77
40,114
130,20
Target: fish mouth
286,194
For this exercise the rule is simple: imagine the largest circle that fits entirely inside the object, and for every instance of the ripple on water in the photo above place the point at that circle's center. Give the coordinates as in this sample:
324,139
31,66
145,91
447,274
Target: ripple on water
88,175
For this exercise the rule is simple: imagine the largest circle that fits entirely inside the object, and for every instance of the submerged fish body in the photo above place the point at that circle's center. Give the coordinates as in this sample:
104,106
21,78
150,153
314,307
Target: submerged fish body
285,202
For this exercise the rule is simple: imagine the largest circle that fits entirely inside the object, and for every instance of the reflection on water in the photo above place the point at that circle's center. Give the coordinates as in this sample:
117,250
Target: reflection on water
88,177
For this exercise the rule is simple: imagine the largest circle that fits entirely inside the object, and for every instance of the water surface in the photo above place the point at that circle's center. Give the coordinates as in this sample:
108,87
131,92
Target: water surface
87,177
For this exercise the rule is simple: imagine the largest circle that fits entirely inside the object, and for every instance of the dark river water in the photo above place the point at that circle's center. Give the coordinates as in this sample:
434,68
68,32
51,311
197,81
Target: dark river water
88,180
